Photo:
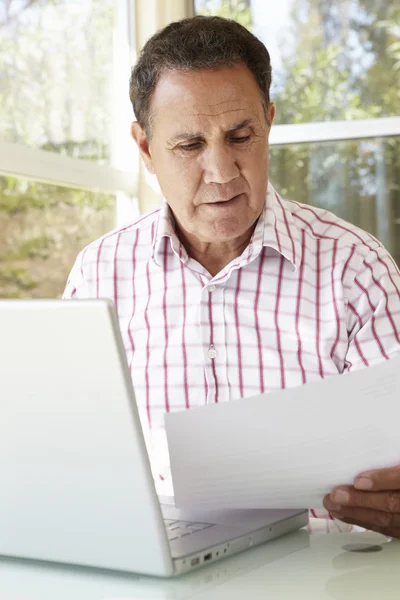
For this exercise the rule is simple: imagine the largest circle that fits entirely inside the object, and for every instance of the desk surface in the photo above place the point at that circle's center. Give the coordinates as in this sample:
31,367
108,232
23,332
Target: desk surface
297,566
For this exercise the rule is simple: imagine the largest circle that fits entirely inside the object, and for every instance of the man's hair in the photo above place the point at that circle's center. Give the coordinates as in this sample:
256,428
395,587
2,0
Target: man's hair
194,44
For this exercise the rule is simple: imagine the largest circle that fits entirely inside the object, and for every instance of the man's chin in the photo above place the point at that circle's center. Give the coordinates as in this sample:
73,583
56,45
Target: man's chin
224,230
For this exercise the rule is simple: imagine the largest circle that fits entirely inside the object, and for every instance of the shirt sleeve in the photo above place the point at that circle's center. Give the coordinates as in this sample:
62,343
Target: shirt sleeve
373,311
373,324
76,286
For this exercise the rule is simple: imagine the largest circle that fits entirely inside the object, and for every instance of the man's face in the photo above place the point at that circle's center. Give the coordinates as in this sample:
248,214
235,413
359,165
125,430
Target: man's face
209,150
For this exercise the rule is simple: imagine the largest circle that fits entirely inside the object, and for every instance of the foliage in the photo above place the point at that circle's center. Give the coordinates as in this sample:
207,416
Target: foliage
18,279
43,228
238,10
20,195
56,75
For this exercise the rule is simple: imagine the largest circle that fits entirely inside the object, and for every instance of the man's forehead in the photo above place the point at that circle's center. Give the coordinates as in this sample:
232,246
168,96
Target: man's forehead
195,95
226,114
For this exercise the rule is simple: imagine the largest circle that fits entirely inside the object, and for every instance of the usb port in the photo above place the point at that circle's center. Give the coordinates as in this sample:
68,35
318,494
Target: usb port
208,556
194,562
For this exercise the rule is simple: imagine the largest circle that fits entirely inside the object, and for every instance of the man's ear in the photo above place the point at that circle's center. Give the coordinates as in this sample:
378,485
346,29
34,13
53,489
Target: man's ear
271,112
143,144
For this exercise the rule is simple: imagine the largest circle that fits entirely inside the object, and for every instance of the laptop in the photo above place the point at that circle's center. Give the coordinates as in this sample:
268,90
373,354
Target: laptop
76,485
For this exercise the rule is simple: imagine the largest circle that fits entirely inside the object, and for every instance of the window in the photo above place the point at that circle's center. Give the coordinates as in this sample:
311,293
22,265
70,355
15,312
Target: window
355,179
68,168
56,65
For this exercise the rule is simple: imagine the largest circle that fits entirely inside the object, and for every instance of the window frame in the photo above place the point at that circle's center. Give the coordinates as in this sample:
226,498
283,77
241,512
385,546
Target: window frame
329,131
48,167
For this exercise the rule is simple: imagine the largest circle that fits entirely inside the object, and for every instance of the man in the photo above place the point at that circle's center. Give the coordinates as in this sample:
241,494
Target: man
229,290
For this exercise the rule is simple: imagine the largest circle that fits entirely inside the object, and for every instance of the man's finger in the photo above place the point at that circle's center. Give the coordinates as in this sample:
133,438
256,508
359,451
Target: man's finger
381,479
369,518
348,496
394,533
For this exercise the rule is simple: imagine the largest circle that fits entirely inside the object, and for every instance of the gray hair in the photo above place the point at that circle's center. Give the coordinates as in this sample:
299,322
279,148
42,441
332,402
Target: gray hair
194,44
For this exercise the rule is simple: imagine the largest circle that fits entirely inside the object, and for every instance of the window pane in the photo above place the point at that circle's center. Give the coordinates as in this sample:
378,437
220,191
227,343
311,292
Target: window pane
357,180
56,64
330,60
43,228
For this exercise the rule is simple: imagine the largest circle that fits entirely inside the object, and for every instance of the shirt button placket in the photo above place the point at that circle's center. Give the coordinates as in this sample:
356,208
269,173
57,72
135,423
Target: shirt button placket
209,348
212,353
215,348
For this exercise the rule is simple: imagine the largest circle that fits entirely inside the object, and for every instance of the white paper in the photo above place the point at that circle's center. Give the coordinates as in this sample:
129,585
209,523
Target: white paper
290,448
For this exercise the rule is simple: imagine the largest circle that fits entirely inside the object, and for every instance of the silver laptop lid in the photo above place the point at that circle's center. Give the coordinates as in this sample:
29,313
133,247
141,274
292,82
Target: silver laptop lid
75,480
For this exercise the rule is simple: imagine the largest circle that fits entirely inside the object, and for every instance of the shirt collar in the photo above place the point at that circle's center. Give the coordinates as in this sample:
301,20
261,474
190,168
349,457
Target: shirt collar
275,229
165,229
279,228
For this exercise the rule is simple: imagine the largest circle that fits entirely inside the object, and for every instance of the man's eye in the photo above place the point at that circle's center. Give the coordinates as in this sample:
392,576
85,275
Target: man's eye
190,147
240,140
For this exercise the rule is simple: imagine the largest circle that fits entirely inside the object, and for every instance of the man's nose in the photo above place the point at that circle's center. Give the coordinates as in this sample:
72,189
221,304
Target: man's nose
220,165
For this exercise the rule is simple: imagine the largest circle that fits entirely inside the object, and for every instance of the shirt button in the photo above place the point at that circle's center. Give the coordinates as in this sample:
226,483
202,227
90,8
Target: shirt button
212,353
211,288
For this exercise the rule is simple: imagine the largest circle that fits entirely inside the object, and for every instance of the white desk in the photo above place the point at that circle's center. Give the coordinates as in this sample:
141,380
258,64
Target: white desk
297,566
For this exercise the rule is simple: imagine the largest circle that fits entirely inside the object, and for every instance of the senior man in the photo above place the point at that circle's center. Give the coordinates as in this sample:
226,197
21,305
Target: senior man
229,290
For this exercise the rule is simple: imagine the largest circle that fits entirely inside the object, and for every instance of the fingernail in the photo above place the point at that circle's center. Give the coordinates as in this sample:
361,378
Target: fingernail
363,483
340,497
337,516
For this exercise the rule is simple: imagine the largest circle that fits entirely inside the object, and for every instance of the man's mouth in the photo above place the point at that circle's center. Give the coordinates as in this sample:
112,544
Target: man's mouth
226,202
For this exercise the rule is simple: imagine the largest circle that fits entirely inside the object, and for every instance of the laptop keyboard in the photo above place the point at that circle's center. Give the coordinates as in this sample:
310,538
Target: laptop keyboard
178,529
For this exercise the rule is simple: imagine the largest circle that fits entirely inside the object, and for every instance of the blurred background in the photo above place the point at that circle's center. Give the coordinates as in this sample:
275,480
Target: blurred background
69,171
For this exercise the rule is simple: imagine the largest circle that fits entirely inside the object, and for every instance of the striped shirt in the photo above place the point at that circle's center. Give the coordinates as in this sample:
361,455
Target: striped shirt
310,297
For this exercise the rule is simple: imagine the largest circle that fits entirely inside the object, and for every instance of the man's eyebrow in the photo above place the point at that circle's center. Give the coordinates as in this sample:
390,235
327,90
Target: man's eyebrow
184,137
242,125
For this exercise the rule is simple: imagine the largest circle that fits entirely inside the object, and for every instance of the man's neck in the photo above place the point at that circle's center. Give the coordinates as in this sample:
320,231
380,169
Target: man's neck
215,256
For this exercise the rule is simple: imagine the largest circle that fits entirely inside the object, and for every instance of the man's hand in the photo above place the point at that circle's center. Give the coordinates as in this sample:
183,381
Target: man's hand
373,502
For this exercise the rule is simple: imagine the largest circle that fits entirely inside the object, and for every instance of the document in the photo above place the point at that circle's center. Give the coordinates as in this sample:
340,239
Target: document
290,448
